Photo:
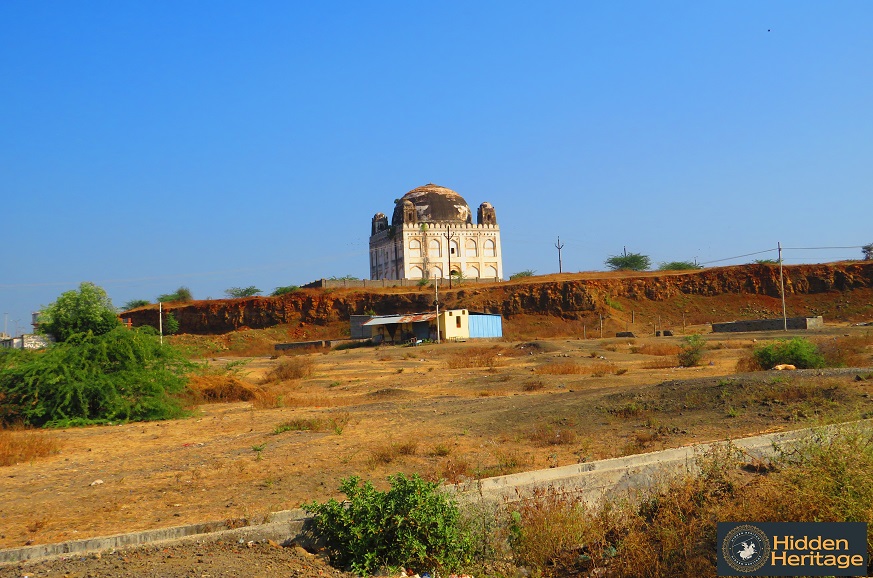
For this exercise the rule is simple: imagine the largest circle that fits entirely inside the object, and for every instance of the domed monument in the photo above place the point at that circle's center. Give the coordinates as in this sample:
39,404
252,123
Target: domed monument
431,234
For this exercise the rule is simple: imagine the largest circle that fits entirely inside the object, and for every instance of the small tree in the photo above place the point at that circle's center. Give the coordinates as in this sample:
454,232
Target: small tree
171,324
182,294
136,303
237,292
629,262
868,252
679,266
79,311
691,350
284,290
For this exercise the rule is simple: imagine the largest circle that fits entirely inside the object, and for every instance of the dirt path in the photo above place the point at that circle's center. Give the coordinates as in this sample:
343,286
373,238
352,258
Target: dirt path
189,559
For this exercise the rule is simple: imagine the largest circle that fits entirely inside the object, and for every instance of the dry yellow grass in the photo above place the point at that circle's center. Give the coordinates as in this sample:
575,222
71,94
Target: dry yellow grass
562,368
19,445
475,357
656,349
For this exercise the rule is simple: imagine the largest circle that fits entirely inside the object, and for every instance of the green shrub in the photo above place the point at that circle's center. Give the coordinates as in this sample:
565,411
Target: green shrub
123,375
182,294
237,292
691,351
412,525
798,352
284,290
136,304
522,274
171,324
679,266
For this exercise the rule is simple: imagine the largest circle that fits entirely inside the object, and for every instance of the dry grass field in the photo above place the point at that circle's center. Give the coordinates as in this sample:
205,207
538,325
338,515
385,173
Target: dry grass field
267,434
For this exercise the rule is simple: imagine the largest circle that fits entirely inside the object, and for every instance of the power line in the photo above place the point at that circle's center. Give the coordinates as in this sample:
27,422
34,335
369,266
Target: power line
737,257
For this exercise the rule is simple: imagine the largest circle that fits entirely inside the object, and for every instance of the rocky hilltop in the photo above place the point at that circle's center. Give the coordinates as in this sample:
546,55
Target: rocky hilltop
840,290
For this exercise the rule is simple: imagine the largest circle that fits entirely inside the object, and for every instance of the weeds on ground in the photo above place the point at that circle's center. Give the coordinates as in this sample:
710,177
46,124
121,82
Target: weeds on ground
671,530
290,368
561,368
387,454
19,444
472,357
659,349
552,435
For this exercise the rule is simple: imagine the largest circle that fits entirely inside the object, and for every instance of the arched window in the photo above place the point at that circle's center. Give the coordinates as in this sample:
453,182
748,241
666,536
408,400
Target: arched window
454,250
415,248
490,271
471,249
415,273
436,273
489,248
472,272
434,249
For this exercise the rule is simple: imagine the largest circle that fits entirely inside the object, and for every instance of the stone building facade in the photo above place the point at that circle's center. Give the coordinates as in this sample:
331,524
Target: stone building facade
431,233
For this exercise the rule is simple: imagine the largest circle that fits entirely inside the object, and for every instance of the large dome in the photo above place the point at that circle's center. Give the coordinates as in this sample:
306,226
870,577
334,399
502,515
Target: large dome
434,203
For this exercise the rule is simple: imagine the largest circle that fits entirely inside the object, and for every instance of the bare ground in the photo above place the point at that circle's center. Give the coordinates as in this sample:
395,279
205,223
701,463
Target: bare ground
448,411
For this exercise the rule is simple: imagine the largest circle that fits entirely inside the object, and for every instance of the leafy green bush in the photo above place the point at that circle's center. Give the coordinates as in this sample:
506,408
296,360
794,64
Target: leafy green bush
237,292
136,303
798,352
679,266
629,262
691,350
123,375
171,324
522,274
88,309
182,294
413,525
284,290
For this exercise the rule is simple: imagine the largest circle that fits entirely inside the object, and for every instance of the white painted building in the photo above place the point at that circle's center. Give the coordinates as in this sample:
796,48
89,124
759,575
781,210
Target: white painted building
431,233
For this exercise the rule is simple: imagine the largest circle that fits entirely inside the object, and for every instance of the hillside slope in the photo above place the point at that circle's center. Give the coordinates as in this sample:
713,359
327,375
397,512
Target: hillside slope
840,291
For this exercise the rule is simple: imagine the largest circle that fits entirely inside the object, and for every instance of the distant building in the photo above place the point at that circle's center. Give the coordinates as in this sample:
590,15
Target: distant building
431,234
453,325
26,340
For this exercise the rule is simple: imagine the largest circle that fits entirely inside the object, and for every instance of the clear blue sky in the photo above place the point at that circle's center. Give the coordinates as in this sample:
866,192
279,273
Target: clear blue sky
148,145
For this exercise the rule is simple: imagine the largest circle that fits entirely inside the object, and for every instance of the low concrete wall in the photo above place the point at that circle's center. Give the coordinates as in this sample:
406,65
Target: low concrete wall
769,324
351,283
280,527
303,345
592,481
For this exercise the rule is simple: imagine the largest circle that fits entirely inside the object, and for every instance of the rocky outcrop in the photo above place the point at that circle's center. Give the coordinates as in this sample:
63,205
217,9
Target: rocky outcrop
567,298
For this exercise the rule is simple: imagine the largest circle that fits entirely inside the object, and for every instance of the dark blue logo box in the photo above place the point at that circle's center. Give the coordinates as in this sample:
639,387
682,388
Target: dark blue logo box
792,549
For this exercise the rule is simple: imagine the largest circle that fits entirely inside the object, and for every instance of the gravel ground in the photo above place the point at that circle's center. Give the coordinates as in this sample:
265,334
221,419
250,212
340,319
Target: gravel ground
208,559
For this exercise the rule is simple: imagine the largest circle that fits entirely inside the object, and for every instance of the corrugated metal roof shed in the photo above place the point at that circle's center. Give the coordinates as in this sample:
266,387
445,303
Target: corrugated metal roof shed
388,319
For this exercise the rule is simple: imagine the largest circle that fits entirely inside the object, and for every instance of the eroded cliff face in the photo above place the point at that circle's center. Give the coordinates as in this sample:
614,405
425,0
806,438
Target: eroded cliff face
567,298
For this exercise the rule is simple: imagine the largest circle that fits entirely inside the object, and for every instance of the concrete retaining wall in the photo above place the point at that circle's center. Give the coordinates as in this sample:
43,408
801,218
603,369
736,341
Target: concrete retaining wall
769,324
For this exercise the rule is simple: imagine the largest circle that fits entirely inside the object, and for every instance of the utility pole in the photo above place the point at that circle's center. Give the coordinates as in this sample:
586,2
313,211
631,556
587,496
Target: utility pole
436,301
448,235
782,288
161,321
559,246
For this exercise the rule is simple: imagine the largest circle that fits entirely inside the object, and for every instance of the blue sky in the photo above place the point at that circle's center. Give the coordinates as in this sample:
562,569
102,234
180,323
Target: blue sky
148,145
